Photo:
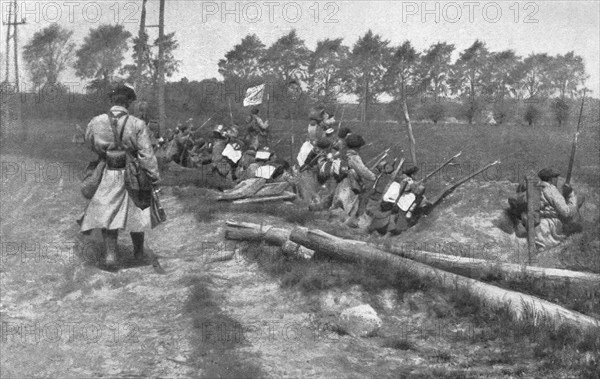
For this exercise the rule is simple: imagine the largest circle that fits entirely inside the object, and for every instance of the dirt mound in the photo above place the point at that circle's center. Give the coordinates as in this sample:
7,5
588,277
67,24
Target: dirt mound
471,222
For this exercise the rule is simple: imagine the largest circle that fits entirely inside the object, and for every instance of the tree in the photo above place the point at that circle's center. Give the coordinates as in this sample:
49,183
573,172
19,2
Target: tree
471,72
102,53
369,56
504,74
437,69
286,58
535,70
149,68
402,72
328,70
243,61
504,81
48,54
567,72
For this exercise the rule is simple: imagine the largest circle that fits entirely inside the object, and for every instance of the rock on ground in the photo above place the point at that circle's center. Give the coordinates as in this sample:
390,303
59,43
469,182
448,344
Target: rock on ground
360,321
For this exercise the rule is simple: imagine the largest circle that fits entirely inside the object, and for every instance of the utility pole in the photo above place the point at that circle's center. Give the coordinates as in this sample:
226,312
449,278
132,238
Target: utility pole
8,25
162,117
16,108
141,48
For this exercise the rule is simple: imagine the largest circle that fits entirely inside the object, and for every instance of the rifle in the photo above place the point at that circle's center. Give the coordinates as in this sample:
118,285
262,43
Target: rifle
380,159
397,170
205,122
452,187
574,146
439,168
341,119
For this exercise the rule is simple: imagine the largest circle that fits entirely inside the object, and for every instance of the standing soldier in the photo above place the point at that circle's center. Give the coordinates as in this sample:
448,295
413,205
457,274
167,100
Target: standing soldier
112,207
256,130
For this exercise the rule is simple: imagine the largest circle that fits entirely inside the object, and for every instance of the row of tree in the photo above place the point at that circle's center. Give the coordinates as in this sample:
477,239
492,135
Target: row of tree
99,58
368,69
372,67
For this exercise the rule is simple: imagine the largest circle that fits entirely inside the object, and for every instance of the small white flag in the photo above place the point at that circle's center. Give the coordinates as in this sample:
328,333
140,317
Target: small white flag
254,95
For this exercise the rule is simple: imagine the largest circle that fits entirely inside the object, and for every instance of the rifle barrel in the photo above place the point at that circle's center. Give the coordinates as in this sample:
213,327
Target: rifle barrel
452,187
441,167
574,145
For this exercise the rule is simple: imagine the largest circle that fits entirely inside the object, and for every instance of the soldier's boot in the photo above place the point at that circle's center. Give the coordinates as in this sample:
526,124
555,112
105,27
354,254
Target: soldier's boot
112,250
138,245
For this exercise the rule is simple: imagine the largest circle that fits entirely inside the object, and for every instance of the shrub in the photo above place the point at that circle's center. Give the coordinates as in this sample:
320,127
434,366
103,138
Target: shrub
471,109
560,108
503,112
532,114
435,112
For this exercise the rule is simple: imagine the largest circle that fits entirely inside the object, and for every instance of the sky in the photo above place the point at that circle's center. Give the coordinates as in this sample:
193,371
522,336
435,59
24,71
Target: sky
206,30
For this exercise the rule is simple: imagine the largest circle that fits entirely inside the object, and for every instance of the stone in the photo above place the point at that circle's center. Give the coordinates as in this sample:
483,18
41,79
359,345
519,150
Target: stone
360,321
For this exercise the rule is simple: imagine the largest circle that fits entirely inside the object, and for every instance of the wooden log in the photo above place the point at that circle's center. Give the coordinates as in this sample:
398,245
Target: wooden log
244,189
243,231
519,305
482,267
286,196
467,265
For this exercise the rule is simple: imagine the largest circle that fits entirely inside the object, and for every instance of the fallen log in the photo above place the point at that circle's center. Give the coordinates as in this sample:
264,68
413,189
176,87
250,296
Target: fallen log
520,305
286,196
483,267
468,266
243,231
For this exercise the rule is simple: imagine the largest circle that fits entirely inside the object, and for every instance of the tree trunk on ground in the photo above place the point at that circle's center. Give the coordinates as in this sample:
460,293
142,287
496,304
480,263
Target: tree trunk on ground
242,231
520,305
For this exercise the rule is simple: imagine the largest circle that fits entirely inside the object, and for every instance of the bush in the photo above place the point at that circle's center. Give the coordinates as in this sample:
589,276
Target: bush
503,112
560,108
471,109
435,112
532,114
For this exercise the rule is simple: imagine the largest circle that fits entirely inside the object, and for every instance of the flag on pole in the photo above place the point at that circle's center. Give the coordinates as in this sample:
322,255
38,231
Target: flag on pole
254,95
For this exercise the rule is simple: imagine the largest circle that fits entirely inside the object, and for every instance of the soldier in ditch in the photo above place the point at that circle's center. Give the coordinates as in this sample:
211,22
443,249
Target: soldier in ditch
558,211
360,176
112,208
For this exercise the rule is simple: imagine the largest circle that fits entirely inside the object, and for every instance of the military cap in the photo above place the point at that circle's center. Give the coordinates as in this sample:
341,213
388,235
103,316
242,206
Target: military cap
323,143
344,132
546,174
410,170
122,90
355,141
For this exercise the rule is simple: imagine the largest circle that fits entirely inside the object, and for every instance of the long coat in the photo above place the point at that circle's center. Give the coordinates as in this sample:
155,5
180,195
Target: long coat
111,206
555,212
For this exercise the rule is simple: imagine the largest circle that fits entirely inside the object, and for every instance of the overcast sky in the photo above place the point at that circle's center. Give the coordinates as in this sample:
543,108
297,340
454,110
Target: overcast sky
206,31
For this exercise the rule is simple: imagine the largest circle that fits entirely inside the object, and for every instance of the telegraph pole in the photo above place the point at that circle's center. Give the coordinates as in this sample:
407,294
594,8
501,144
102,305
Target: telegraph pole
12,11
8,25
162,117
141,48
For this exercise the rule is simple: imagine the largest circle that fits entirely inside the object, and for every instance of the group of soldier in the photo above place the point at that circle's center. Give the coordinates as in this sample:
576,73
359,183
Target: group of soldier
328,173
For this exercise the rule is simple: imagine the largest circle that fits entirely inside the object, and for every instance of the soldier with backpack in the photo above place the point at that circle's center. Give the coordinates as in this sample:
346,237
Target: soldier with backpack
120,138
